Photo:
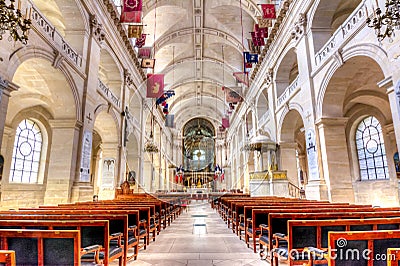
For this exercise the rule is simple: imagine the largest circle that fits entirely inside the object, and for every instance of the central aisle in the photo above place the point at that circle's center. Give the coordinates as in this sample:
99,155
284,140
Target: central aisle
182,244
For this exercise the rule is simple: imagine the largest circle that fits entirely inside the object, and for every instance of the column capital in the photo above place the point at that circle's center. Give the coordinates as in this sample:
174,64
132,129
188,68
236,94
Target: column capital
331,121
7,86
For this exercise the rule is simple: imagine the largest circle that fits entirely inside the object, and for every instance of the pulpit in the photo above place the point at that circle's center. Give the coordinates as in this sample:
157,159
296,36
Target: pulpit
124,191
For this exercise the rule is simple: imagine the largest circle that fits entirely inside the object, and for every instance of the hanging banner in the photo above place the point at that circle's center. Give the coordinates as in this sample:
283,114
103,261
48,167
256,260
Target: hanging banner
260,32
145,52
250,58
252,48
148,63
131,11
263,22
232,96
242,77
268,11
169,120
140,42
86,157
135,31
225,122
155,85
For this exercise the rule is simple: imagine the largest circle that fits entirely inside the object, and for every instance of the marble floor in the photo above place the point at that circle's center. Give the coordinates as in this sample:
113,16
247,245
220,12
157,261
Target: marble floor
208,243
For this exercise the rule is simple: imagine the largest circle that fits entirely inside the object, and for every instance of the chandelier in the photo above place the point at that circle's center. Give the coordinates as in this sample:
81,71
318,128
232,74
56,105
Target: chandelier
386,23
13,21
150,146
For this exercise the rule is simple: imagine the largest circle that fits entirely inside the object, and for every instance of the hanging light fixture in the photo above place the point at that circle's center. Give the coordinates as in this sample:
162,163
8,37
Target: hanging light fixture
150,146
12,20
385,23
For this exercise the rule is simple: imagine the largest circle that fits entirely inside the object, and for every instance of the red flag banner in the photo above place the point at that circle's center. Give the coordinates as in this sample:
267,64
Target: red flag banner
231,96
135,31
145,52
155,85
242,77
225,122
140,42
268,11
260,32
131,11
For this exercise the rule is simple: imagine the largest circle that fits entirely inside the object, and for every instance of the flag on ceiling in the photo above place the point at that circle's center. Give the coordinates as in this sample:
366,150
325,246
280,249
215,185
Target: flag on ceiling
155,85
135,31
222,176
140,42
225,122
148,63
232,96
169,120
268,11
252,48
263,22
260,32
257,40
145,52
250,58
242,77
131,11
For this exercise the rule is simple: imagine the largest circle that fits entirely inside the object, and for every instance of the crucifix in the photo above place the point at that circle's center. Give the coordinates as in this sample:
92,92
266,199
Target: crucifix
89,118
308,116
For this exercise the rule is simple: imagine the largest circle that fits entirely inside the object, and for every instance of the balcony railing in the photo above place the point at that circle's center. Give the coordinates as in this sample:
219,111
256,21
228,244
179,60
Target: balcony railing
109,95
354,22
48,30
289,92
263,119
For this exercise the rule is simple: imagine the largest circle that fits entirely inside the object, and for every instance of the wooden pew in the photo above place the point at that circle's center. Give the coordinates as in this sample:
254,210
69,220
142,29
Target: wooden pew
393,256
260,216
117,223
277,221
42,247
371,246
7,257
94,234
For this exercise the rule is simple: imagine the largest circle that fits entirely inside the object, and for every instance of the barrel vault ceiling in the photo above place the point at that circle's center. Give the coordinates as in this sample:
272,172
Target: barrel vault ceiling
198,46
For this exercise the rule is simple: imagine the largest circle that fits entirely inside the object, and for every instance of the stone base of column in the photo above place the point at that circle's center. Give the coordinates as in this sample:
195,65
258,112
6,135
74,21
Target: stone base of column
82,192
343,194
265,187
317,190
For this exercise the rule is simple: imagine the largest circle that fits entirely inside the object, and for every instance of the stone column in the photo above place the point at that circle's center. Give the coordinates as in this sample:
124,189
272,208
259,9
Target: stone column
109,176
288,161
6,87
335,159
394,100
83,187
62,161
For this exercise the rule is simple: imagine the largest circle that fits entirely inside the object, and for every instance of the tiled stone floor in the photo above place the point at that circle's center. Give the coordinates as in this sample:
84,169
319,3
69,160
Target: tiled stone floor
180,245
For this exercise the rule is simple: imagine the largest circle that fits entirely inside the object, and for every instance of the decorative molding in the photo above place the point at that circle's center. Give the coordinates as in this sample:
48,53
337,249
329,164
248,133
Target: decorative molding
97,29
299,27
269,77
128,78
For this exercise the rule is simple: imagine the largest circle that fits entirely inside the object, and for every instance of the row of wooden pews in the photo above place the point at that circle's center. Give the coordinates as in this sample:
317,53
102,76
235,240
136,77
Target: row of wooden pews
94,233
307,232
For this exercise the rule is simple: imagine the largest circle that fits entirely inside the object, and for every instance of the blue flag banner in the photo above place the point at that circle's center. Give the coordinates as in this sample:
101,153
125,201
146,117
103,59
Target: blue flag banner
250,58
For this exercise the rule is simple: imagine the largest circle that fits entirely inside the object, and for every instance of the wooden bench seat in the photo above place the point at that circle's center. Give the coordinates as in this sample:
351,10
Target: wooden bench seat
42,247
7,258
117,223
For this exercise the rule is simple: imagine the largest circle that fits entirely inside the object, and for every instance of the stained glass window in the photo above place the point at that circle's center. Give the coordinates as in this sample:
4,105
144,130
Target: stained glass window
371,150
26,155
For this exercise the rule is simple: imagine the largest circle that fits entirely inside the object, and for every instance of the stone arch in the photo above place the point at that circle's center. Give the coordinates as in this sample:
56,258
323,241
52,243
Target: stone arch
375,54
326,17
287,70
29,53
111,73
69,18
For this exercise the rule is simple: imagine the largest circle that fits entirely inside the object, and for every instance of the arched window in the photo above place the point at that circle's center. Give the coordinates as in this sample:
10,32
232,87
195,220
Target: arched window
371,150
26,154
